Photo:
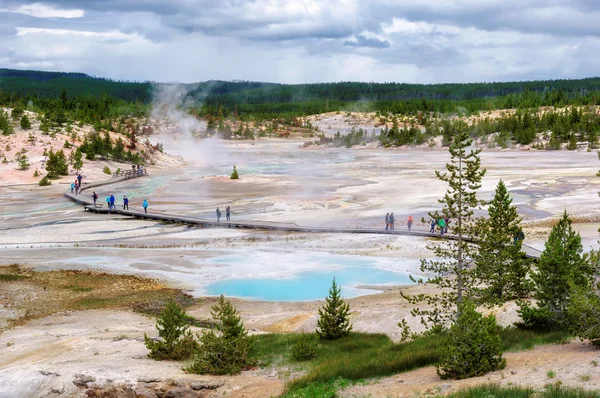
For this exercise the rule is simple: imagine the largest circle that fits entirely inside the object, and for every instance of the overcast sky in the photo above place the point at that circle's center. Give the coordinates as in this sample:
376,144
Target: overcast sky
297,41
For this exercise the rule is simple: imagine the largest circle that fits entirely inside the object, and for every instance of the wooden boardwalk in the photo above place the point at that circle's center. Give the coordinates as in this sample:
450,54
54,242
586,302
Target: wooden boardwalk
88,203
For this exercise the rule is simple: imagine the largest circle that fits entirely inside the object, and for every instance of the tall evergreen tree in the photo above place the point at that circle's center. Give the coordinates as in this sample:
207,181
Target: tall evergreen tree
463,176
334,317
502,267
561,267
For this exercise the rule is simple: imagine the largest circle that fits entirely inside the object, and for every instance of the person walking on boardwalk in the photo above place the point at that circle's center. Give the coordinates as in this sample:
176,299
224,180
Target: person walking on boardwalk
218,215
446,223
432,229
76,187
387,221
112,202
228,213
392,220
145,206
125,203
79,180
442,225
95,197
72,187
409,223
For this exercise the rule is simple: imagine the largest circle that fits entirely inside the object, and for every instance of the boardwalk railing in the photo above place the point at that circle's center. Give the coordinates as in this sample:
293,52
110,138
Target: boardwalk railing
88,204
132,173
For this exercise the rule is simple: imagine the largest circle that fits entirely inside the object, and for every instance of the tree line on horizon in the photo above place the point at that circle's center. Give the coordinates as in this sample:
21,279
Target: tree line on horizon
268,100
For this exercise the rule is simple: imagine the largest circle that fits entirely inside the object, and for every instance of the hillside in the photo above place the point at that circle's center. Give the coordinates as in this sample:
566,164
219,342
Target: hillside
262,97
50,84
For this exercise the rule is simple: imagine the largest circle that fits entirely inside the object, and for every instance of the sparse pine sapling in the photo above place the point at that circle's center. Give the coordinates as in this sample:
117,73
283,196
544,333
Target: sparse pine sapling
78,160
234,175
25,122
23,162
175,340
334,316
449,269
45,181
225,350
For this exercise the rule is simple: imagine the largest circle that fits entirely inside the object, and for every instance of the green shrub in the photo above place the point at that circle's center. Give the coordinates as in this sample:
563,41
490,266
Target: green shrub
234,175
584,315
334,317
23,162
306,348
225,352
106,170
534,318
175,339
56,165
45,181
474,347
36,173
25,123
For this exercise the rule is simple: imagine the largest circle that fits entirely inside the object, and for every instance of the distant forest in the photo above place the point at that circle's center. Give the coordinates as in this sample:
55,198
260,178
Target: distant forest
268,100
64,98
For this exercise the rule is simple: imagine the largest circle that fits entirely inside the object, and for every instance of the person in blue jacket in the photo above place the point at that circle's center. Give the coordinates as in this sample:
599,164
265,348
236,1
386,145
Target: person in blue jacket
145,206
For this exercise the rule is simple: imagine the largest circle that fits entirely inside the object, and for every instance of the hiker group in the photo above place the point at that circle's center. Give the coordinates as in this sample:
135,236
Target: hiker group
110,202
76,185
227,214
390,222
441,223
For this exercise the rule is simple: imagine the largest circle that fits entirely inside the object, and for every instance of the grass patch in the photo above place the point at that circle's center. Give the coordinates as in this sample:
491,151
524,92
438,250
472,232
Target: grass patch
79,289
495,391
362,356
66,290
11,277
551,374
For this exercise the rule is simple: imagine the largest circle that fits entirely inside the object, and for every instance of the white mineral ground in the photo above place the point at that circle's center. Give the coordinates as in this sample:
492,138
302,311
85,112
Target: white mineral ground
280,182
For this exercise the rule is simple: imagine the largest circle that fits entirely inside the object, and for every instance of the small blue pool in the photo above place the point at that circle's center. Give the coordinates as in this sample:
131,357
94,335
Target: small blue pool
350,272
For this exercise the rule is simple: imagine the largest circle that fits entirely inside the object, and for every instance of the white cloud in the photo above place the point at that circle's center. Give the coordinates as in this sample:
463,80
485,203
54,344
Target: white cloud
40,10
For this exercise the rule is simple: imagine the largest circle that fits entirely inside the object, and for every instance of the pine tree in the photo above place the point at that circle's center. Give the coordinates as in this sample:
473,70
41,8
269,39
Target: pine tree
234,175
23,162
561,267
45,181
334,317
226,352
56,165
175,339
78,160
464,174
502,267
25,123
474,347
